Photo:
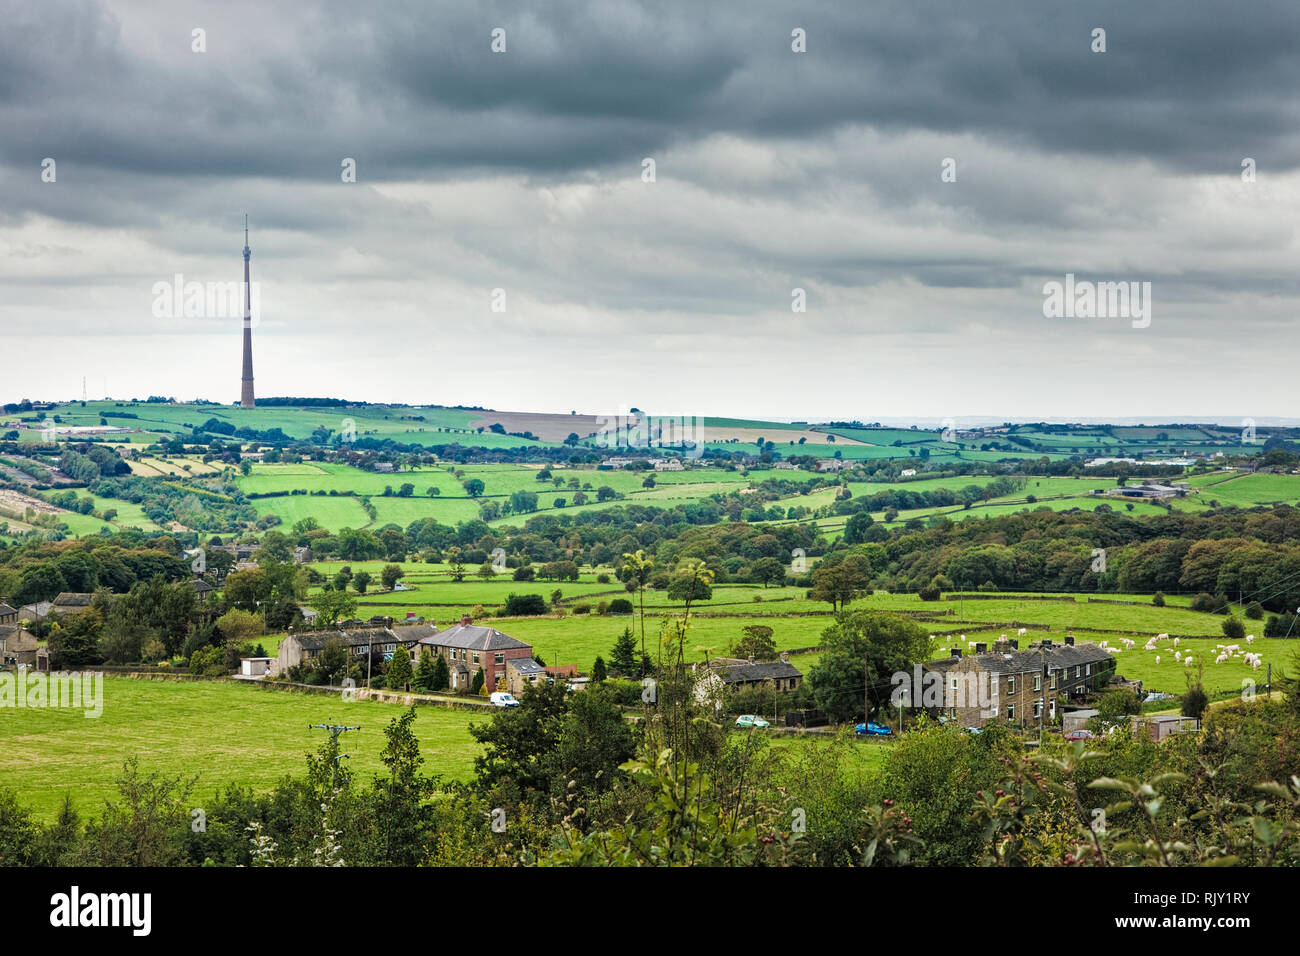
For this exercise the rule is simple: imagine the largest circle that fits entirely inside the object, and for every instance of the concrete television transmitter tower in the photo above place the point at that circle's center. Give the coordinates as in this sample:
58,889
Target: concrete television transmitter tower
246,382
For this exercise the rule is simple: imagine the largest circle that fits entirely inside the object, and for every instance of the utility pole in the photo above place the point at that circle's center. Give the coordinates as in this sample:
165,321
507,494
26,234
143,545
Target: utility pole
866,690
335,730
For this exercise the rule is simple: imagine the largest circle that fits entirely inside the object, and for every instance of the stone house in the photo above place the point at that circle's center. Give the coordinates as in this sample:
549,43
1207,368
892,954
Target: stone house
1021,686
18,646
468,646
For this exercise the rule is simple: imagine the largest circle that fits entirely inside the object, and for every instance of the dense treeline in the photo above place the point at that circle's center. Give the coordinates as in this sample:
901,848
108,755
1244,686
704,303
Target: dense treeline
1234,553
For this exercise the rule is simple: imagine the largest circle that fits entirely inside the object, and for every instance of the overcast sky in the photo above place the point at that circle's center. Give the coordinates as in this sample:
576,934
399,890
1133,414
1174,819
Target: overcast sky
774,170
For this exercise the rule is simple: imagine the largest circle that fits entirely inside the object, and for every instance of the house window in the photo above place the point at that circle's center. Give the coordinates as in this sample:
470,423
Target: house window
501,658
1011,685
1038,682
1089,670
1078,670
1011,711
1038,708
476,657
1053,680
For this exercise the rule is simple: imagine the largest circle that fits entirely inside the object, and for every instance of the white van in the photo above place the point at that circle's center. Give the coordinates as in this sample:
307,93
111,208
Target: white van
502,699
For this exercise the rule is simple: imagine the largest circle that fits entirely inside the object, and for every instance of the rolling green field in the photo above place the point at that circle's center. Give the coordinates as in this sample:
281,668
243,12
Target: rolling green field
222,731
452,505
798,622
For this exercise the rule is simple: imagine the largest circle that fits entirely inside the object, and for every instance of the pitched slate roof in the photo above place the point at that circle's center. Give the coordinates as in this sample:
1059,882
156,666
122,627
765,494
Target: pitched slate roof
6,610
357,636
1029,661
759,671
473,637
526,666
73,599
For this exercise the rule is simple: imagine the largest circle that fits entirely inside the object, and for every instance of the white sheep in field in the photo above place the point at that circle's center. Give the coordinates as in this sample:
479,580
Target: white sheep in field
1221,658
1255,664
1250,638
1178,655
1187,662
1157,658
1162,637
1022,632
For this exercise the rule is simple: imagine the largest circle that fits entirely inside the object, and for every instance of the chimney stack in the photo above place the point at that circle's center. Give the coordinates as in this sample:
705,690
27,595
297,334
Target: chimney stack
1069,640
981,648
956,653
465,620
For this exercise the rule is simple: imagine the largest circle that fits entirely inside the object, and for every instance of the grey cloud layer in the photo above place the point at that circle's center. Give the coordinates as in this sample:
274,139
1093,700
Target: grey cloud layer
522,171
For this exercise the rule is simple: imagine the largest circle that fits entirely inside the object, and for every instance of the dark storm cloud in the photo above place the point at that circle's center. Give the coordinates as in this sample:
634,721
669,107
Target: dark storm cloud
414,89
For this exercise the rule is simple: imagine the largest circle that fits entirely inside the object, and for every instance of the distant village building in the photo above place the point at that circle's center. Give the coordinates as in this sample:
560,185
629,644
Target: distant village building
725,674
359,640
832,464
1159,726
38,611
522,672
1150,491
70,602
18,646
670,464
468,646
1018,685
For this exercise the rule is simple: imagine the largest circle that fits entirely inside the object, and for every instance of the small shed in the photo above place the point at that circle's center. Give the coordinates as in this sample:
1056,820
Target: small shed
1072,720
255,666
1160,726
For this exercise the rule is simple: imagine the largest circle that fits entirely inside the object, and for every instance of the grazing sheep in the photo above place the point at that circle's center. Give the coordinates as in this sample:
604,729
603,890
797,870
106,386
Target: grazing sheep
1157,658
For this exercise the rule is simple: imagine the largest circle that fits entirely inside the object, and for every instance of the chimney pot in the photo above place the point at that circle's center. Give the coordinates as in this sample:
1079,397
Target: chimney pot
465,620
956,652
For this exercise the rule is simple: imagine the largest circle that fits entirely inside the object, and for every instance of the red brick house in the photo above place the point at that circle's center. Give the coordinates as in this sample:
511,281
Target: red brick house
468,646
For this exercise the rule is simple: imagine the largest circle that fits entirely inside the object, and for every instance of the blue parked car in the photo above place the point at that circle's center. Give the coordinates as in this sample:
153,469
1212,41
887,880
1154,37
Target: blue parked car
872,730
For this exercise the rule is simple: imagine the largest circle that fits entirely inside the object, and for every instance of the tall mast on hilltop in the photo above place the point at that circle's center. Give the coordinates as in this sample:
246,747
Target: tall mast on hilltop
246,382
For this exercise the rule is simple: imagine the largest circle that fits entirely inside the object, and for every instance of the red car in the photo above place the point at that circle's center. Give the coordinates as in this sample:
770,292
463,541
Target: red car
1080,735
